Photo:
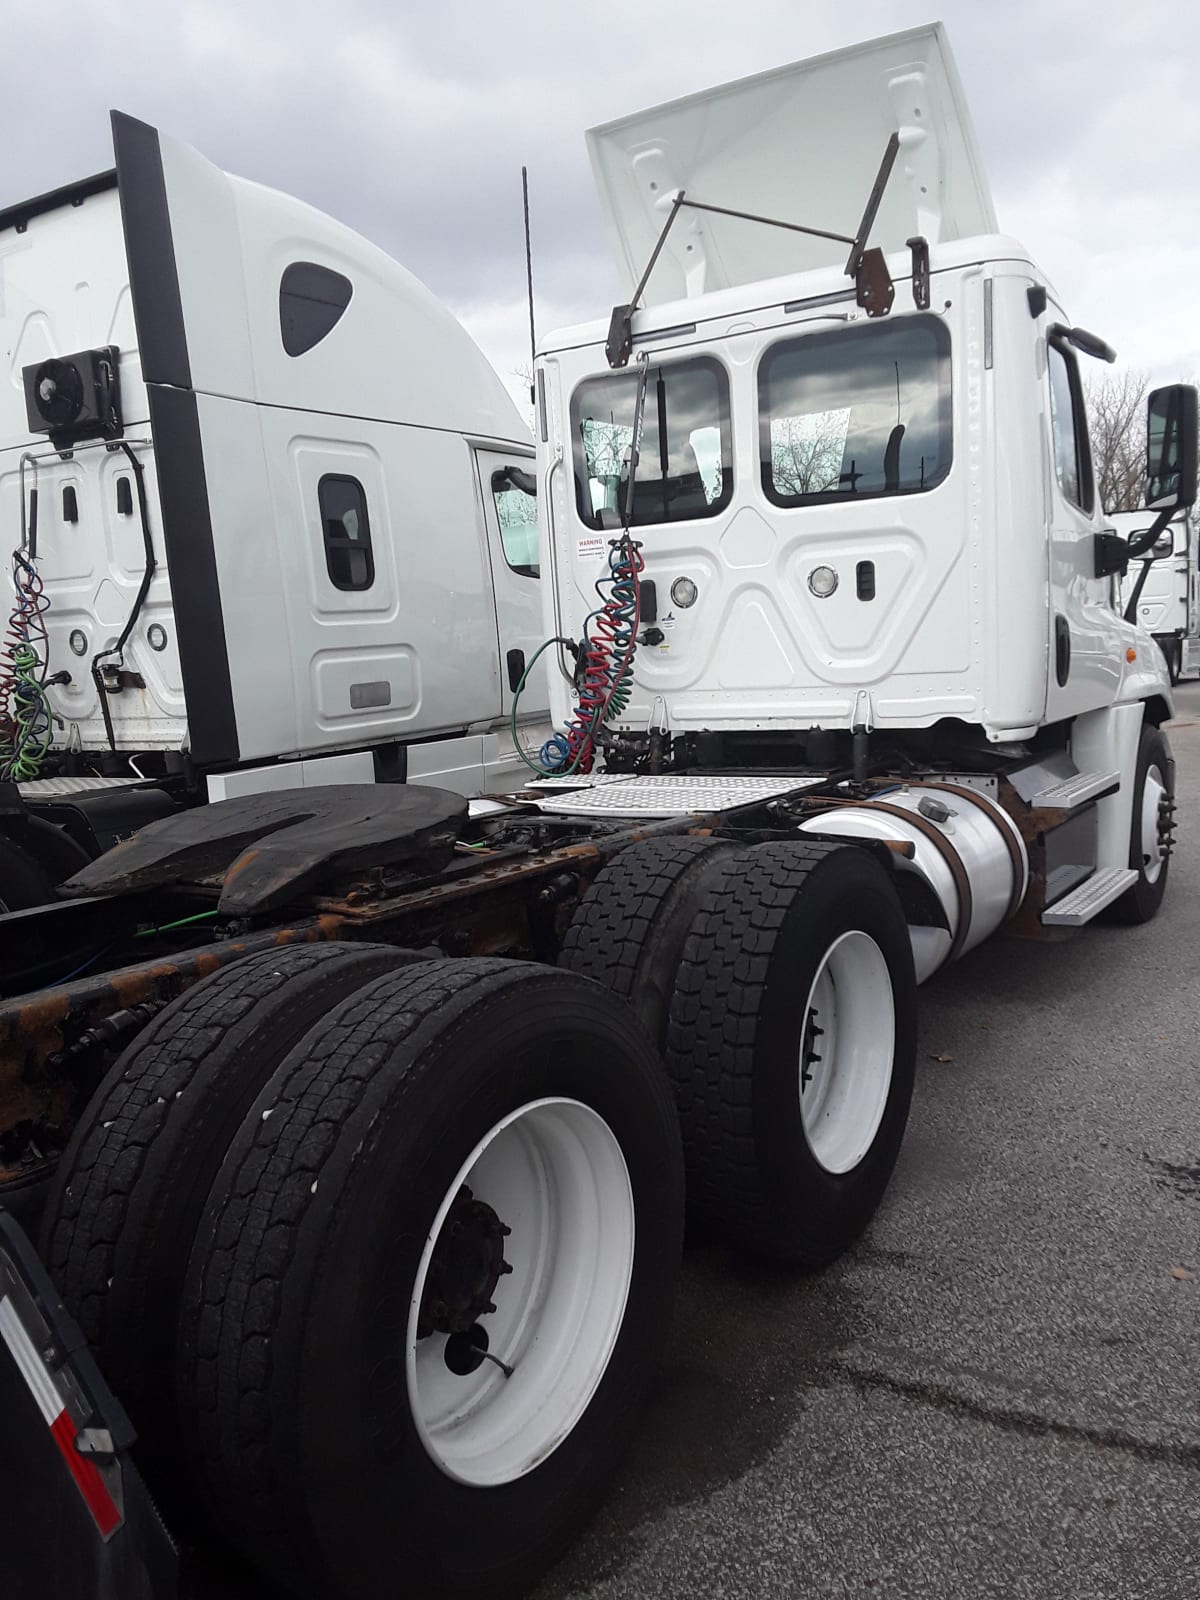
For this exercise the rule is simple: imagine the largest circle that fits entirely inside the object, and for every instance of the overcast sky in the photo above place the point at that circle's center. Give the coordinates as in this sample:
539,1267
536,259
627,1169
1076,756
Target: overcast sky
411,121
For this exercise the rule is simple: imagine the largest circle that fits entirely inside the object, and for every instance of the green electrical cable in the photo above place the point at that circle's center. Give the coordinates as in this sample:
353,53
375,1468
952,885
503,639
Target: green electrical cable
183,922
542,772
22,755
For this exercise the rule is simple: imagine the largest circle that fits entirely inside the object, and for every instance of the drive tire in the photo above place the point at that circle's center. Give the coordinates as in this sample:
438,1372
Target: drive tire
1141,901
771,923
629,928
298,1334
132,1183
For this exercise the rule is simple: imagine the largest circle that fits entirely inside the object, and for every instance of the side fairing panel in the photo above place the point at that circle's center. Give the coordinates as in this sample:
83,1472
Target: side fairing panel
244,646
289,661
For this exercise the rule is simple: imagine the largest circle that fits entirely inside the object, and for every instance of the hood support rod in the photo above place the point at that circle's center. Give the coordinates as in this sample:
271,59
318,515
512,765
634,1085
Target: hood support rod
867,268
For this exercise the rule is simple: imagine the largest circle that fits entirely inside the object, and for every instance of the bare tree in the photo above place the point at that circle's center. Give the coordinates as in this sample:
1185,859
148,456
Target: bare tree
1116,406
806,452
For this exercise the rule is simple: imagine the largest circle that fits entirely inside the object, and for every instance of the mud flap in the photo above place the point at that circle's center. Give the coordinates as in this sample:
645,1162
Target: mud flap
77,1518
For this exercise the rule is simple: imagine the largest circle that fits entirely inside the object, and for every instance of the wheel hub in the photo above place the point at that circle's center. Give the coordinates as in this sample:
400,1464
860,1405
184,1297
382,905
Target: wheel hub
810,1055
467,1264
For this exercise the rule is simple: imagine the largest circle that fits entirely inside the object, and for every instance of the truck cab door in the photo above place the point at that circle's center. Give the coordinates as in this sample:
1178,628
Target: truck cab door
508,491
1086,639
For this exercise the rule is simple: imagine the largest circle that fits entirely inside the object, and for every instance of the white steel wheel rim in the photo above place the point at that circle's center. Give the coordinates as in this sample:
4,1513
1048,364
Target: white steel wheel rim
554,1172
1153,790
848,1065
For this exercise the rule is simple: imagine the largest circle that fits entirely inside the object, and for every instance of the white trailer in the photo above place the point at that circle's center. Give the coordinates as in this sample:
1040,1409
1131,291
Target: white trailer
1160,591
375,1233
270,511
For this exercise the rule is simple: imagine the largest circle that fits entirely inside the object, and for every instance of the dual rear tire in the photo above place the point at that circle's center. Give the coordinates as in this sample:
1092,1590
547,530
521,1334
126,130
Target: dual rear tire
403,1312
389,1244
789,1030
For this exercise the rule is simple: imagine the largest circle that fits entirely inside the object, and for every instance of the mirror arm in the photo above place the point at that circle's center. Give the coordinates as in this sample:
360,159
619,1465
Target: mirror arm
1088,344
1138,546
1130,612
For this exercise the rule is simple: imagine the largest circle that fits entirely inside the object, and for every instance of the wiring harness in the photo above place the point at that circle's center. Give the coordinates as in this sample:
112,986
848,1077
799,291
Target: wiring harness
604,658
26,727
604,671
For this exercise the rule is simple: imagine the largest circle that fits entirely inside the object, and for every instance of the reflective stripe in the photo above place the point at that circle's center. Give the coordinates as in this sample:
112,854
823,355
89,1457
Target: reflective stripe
29,1363
38,1381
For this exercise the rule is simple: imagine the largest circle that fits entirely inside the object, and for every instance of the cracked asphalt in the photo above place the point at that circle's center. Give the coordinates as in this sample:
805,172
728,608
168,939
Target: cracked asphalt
998,1392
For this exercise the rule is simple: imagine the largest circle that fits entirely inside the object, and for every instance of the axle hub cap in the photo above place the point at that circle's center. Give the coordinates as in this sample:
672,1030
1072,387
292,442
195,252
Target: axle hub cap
468,1262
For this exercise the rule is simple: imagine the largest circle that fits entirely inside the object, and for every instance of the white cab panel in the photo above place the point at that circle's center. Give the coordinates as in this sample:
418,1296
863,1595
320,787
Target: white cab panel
801,143
64,287
419,646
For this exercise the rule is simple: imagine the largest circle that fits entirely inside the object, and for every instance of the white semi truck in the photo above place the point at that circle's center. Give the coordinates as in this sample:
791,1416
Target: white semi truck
1161,592
357,1125
270,513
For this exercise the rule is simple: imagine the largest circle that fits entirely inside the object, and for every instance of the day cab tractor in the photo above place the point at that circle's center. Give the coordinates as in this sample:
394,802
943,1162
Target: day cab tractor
358,1125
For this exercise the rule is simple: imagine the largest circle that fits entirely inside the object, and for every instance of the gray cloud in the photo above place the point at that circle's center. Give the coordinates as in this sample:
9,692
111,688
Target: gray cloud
411,122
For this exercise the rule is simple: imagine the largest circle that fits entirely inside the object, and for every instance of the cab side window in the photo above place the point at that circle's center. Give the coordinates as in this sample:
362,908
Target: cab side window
515,494
346,530
1068,422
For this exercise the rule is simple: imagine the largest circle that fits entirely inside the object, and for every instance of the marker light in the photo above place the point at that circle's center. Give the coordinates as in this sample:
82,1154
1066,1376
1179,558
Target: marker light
683,593
822,581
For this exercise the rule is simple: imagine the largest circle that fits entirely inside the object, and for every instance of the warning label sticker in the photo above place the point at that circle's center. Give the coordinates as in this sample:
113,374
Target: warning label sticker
590,546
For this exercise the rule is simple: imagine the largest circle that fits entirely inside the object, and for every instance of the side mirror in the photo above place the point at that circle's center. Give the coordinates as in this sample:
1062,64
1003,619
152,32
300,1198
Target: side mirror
1171,448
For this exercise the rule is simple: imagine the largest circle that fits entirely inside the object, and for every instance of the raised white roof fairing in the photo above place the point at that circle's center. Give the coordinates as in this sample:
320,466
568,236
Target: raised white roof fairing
802,144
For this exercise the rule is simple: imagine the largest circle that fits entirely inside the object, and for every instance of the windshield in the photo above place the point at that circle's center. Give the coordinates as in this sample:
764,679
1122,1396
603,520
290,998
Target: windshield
686,465
858,412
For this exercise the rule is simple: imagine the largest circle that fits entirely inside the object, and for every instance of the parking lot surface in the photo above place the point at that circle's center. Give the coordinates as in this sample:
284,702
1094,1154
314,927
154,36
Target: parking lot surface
998,1392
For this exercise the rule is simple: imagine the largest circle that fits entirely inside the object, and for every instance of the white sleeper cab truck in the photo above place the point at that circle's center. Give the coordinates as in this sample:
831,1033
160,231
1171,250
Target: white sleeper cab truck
269,513
357,1135
1160,592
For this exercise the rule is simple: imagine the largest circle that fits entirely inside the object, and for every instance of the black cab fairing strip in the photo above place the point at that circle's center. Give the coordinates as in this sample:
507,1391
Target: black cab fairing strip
178,447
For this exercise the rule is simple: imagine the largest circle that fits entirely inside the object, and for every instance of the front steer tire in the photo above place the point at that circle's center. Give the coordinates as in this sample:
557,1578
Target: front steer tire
1141,901
742,1039
303,1356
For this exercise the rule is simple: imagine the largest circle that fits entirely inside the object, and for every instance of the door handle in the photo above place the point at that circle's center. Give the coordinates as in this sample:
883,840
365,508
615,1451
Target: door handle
516,668
1062,650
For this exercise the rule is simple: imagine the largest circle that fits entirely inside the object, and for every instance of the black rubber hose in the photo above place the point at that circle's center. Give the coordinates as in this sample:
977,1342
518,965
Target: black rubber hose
139,478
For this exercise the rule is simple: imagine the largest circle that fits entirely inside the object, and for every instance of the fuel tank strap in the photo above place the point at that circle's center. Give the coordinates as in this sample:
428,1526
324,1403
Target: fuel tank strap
966,904
1007,832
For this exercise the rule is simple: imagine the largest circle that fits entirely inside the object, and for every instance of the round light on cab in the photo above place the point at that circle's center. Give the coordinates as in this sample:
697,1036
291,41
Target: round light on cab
1131,654
78,641
822,581
683,593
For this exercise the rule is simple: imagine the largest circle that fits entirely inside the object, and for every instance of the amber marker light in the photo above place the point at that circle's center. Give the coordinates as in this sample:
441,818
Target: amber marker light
1131,654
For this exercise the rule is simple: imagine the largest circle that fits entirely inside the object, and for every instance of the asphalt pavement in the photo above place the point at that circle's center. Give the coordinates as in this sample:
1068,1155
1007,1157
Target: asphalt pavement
997,1394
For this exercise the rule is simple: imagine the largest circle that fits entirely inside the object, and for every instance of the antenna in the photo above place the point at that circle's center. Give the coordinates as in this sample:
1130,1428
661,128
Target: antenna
529,281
